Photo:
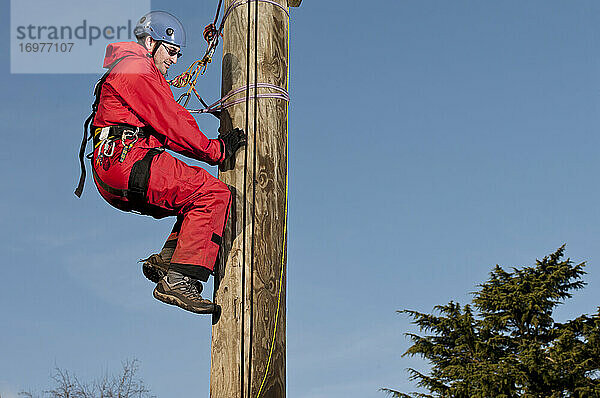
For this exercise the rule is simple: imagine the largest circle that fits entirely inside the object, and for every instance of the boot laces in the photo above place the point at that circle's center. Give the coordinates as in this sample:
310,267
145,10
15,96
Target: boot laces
184,284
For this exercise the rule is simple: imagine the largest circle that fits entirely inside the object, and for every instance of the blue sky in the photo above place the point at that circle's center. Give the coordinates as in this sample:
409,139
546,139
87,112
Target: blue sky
429,141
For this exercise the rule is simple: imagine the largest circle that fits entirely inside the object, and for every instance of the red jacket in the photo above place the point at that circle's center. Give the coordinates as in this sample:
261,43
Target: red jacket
136,93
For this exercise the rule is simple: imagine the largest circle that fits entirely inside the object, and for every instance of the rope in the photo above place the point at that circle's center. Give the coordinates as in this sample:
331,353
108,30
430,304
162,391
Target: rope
283,248
221,104
197,68
242,2
217,13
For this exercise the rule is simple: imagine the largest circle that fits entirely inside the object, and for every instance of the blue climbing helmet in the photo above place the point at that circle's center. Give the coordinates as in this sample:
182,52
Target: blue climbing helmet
161,26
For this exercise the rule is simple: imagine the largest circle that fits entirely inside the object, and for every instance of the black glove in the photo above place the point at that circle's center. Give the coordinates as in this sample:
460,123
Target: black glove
232,141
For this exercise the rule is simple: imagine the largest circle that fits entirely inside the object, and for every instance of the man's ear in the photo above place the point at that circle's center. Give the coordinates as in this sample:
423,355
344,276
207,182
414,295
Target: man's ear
149,43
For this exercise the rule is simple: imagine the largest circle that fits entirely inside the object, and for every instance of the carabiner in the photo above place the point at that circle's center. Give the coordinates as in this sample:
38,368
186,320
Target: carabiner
126,135
107,150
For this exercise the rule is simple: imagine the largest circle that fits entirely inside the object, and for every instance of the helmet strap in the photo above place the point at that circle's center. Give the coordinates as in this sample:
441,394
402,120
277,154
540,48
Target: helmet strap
158,44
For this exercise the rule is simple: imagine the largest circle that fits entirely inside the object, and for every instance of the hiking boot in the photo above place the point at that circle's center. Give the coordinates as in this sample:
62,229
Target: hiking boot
155,267
182,291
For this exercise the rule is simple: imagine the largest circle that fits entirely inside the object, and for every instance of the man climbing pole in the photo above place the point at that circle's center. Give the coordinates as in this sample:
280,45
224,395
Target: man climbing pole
134,119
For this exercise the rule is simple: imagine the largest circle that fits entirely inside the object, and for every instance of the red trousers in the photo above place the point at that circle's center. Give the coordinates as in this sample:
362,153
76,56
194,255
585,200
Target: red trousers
199,200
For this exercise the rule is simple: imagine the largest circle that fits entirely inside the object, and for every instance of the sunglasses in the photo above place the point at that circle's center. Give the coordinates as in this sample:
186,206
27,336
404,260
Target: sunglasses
172,51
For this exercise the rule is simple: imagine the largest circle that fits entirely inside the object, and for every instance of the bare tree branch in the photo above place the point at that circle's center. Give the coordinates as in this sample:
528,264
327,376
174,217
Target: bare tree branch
124,385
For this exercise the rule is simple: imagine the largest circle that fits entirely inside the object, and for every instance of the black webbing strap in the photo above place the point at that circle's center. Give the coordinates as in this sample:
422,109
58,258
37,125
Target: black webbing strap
86,125
137,186
138,180
111,190
117,131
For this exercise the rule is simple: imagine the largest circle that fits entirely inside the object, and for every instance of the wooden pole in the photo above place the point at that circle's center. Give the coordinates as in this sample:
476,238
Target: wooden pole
248,343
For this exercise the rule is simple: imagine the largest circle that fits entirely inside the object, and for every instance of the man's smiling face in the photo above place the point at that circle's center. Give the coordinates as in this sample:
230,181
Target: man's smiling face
165,56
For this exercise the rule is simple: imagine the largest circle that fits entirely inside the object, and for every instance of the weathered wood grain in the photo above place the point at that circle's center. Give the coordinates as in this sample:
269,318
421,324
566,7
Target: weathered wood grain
255,51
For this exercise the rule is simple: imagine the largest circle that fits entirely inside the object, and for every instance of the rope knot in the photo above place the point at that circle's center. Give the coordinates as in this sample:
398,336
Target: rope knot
210,32
181,80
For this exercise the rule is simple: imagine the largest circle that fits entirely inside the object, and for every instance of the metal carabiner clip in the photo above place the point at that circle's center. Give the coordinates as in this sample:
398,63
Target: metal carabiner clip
107,148
128,135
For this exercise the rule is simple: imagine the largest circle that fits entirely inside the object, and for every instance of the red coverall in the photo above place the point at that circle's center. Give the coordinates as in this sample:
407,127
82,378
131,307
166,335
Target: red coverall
136,94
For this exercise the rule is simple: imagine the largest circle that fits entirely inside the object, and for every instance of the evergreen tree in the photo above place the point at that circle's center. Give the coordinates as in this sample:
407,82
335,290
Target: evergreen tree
506,343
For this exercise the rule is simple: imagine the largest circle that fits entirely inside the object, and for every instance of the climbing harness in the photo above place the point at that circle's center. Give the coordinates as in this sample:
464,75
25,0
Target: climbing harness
106,139
86,133
137,186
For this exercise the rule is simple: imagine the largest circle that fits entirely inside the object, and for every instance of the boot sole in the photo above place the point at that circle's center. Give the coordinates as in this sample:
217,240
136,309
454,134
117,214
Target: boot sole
174,300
